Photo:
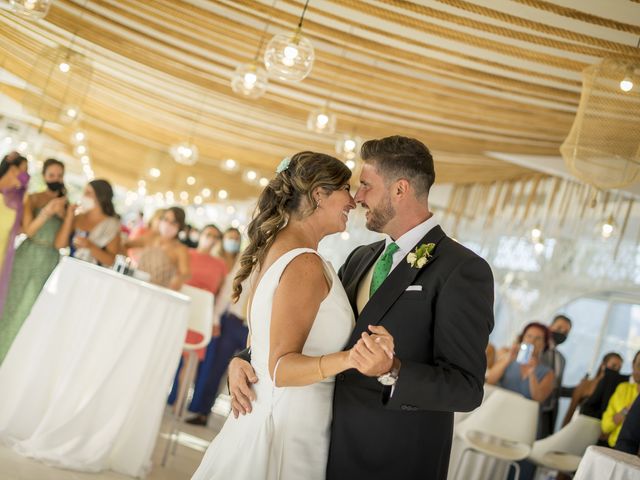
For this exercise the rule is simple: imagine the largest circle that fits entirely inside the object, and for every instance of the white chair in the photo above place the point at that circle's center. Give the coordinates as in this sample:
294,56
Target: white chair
503,427
200,323
564,449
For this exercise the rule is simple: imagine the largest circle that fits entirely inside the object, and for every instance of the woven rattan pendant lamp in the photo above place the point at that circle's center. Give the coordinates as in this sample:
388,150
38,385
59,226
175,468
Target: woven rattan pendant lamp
603,146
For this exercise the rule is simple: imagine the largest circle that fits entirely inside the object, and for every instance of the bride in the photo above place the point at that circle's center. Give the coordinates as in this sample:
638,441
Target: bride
299,318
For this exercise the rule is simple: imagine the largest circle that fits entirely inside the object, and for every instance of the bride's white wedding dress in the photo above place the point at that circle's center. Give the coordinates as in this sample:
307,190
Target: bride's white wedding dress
286,436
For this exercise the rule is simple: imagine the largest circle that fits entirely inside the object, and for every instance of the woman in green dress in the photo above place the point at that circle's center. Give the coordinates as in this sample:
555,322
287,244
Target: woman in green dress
36,257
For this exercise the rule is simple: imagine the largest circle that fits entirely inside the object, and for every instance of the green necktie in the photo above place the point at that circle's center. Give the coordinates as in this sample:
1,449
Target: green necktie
382,268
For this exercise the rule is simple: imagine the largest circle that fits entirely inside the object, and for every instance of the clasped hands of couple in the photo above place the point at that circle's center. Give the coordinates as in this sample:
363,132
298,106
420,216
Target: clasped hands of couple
372,355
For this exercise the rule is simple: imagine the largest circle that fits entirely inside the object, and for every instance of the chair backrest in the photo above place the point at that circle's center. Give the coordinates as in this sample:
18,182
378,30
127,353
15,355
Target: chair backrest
200,315
573,438
506,415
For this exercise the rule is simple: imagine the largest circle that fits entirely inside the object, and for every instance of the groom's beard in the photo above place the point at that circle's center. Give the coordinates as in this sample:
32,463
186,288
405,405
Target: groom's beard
380,215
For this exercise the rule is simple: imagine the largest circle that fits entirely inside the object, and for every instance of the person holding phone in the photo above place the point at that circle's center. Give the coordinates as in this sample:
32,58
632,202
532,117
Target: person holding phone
91,228
519,368
37,256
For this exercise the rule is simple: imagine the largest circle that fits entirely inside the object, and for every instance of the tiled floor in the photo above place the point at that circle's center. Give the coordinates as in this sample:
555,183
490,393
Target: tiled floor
193,443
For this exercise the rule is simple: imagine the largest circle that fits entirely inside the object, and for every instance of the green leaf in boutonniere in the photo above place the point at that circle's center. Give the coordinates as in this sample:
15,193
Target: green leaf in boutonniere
421,255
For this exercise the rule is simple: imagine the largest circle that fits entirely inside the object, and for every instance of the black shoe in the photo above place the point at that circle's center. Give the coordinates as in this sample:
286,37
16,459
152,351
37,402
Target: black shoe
198,420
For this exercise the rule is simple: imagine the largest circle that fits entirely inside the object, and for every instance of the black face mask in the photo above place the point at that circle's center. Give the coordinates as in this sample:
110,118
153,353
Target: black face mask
55,186
558,337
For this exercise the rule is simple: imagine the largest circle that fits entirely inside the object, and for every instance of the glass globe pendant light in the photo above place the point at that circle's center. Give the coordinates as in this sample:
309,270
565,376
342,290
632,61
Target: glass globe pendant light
290,56
31,9
321,120
249,80
347,146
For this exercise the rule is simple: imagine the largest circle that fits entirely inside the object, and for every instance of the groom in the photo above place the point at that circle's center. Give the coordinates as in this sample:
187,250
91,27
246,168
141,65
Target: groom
393,417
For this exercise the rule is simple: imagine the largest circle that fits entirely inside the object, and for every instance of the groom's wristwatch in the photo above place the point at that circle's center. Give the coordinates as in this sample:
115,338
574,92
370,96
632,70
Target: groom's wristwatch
390,378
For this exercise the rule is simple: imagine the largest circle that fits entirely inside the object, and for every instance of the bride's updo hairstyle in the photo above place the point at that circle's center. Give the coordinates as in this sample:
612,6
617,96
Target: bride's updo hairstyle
296,179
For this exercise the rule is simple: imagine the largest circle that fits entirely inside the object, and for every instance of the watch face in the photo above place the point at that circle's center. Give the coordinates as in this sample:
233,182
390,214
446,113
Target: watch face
387,380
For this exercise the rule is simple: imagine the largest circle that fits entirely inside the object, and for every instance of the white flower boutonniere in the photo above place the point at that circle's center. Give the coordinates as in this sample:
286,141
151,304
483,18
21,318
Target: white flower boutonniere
421,255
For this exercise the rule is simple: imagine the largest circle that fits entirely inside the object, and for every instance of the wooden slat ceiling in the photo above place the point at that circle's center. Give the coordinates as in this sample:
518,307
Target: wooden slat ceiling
464,76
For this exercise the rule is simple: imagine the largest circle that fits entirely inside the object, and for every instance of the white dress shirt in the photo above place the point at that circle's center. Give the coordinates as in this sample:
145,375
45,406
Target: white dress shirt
409,240
406,244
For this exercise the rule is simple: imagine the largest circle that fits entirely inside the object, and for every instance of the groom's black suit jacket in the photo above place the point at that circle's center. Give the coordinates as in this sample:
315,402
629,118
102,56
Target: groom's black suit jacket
440,335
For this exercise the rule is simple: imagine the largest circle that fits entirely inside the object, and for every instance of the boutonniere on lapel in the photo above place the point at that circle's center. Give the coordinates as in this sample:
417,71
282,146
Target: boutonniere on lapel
421,256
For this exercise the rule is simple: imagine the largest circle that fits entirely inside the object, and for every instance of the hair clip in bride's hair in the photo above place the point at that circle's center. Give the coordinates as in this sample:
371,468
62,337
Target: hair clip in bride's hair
284,164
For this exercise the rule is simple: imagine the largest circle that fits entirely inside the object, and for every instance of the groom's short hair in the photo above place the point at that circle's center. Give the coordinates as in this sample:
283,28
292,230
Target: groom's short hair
398,157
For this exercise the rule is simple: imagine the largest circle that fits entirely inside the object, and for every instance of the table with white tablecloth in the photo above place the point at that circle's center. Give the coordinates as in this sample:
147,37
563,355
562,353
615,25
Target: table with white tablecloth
602,463
85,382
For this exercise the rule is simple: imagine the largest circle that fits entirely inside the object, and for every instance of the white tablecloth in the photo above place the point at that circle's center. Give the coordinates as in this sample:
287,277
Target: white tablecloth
601,463
85,382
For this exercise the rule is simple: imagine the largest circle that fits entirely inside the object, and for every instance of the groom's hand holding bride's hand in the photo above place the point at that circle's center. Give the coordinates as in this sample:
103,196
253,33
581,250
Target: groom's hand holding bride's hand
241,377
373,354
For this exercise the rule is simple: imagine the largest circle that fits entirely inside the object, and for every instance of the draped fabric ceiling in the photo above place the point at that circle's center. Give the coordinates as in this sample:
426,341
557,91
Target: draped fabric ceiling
465,76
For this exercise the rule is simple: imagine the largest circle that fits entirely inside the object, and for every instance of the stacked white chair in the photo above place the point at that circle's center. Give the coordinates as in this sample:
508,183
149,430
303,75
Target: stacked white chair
503,427
563,450
200,323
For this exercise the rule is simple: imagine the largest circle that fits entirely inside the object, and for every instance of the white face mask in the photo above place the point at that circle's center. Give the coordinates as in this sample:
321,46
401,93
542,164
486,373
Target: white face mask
167,230
87,203
194,237
230,246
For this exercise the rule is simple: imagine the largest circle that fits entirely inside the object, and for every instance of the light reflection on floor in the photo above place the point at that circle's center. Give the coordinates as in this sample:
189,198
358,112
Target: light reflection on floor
192,443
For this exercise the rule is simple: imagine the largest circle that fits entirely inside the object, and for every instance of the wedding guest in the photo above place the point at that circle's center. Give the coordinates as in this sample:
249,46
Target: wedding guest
230,247
559,330
216,235
629,438
152,226
230,325
142,230
91,229
620,403
162,255
533,379
207,271
13,183
612,361
194,237
37,256
185,236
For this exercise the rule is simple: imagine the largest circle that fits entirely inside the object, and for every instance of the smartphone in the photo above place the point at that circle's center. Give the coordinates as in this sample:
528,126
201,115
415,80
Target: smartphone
525,353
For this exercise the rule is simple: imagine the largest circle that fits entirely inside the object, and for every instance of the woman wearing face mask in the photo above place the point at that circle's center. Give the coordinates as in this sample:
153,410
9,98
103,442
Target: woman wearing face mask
162,256
13,185
91,229
207,271
37,256
229,249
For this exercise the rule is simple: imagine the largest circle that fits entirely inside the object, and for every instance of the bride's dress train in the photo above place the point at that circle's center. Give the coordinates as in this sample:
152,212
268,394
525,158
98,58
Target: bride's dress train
286,436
